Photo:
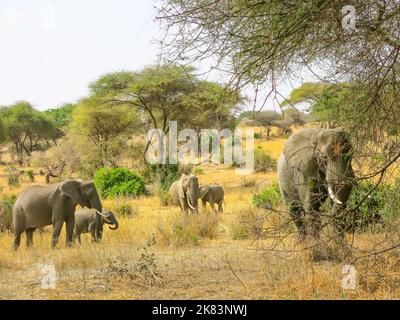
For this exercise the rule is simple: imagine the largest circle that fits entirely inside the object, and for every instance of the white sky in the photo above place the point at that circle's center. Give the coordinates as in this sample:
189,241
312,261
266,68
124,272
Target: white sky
52,49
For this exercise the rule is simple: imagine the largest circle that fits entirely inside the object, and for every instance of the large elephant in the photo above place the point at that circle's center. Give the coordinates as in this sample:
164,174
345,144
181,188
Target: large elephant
315,164
55,204
87,220
185,193
212,193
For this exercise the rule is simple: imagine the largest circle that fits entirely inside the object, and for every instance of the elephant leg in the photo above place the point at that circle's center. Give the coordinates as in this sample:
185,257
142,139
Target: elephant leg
29,237
17,239
69,232
204,203
296,212
57,226
212,205
220,207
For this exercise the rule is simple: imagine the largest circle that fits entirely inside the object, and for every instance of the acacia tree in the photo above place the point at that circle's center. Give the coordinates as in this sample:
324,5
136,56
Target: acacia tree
169,93
26,128
107,126
261,42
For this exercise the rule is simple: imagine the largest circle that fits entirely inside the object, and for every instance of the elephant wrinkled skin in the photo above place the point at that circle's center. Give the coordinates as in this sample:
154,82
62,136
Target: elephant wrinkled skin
315,164
86,220
39,206
185,193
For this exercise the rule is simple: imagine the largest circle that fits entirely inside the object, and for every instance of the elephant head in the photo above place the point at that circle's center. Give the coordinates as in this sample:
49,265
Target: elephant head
203,190
109,218
189,190
82,193
330,152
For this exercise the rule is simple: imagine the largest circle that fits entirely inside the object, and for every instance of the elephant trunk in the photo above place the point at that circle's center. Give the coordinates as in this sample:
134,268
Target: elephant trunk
116,225
339,177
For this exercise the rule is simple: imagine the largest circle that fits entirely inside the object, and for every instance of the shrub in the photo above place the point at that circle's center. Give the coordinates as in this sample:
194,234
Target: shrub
382,203
30,175
124,209
269,197
197,171
119,182
13,176
6,205
263,162
247,224
190,229
164,174
164,196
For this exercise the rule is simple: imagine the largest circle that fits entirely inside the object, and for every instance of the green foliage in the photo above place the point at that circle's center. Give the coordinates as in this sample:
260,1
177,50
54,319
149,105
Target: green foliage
103,126
26,128
382,204
61,116
112,182
30,175
198,171
6,205
263,162
164,174
164,93
269,197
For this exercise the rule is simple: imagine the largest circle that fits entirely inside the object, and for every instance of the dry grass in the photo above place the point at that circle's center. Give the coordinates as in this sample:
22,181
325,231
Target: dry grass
159,254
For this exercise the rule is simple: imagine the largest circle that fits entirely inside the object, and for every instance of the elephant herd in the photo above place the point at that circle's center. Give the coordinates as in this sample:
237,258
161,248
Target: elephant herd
315,164
39,206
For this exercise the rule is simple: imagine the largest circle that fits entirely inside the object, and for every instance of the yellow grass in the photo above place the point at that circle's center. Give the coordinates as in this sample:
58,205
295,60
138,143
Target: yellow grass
220,268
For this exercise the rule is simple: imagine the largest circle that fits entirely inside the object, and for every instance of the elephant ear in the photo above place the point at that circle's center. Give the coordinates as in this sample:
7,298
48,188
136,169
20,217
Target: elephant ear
204,190
71,188
298,150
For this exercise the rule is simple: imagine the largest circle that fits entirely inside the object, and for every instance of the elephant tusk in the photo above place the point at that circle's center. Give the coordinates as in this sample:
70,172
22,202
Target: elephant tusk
332,195
103,215
190,204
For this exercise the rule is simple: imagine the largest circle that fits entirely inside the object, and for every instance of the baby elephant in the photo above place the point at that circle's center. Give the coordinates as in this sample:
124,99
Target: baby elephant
91,220
212,193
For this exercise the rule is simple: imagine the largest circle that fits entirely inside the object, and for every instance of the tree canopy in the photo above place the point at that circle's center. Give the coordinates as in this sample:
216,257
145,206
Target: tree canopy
26,127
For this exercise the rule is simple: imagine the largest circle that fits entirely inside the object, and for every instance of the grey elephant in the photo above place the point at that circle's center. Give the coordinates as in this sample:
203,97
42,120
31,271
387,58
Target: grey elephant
87,220
55,204
213,194
315,164
185,193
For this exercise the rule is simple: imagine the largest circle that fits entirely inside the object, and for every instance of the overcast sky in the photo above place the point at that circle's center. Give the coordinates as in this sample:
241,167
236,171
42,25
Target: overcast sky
52,49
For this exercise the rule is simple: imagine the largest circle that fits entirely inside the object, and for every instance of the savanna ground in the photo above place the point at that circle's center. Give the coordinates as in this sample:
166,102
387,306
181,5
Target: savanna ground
158,254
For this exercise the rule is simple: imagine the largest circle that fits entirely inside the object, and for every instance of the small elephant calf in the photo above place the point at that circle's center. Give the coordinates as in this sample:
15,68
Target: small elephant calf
90,220
212,193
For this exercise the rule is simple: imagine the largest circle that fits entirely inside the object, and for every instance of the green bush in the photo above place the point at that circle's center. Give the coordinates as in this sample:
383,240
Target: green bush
269,197
119,182
164,174
197,171
263,162
6,205
30,175
382,203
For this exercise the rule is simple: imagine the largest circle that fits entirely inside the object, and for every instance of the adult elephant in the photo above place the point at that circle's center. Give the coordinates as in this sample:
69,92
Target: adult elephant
315,164
213,194
55,204
185,193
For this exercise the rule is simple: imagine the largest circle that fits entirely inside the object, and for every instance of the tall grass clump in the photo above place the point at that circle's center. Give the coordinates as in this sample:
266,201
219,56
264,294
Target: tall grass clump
190,229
